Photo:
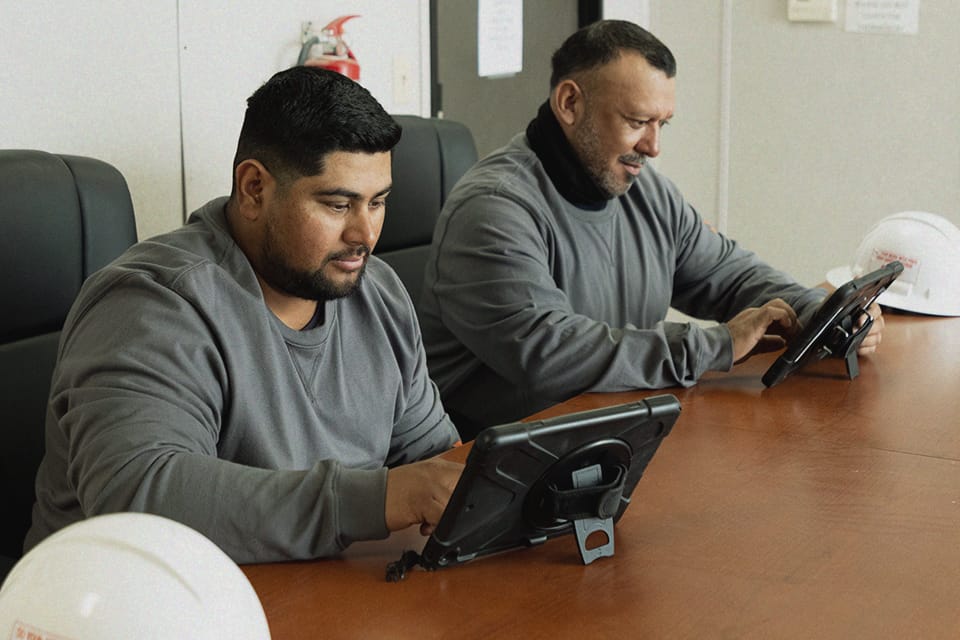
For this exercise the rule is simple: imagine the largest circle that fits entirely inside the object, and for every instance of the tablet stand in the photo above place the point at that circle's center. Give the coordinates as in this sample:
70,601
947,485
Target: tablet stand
584,490
845,344
584,527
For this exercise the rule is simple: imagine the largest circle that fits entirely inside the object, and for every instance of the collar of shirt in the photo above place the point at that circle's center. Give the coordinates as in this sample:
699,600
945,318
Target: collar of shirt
560,161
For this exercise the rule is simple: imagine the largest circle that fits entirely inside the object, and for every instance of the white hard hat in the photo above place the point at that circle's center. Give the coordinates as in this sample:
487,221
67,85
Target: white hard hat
129,575
928,246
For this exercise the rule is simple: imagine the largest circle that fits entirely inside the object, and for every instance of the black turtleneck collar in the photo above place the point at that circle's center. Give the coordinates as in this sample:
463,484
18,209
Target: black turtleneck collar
560,161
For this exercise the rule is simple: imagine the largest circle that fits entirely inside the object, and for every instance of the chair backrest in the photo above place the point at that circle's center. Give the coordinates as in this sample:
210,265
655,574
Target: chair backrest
429,159
61,218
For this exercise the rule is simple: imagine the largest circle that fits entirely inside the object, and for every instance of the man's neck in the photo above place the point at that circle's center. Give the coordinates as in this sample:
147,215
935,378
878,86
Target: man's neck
294,312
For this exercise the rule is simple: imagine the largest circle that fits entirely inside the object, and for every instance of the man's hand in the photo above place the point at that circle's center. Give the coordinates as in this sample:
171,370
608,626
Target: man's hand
872,341
418,492
761,329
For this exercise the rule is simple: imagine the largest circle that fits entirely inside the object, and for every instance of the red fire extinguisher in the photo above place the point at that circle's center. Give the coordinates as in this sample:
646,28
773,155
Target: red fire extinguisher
336,55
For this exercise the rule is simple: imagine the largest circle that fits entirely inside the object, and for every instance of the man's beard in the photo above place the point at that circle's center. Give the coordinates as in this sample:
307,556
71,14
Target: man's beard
593,157
309,285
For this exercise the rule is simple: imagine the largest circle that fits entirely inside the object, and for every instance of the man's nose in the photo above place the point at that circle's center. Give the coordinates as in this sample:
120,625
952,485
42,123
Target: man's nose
363,227
649,142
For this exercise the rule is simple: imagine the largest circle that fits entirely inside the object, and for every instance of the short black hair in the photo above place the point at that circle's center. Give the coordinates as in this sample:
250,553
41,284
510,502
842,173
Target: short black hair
602,42
302,114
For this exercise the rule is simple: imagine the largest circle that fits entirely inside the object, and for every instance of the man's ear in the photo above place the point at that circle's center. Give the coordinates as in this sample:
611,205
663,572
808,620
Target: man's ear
568,102
252,180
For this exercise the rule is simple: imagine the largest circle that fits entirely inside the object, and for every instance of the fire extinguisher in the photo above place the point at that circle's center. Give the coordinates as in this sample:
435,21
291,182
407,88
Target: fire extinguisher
336,55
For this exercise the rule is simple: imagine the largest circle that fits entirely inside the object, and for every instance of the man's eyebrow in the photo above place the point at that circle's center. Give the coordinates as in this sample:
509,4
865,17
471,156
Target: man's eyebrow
352,195
645,115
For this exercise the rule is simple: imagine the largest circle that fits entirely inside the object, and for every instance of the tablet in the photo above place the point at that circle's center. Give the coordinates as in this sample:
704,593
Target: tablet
527,482
833,331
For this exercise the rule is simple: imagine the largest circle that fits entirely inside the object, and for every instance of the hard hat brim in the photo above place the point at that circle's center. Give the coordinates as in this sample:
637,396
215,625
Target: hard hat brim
840,275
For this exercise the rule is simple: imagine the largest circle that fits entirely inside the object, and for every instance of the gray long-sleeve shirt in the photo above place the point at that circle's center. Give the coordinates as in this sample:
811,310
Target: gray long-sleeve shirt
178,392
529,300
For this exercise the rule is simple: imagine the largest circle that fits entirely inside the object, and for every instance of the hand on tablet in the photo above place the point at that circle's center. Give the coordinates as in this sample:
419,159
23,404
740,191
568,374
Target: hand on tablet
872,341
417,493
762,329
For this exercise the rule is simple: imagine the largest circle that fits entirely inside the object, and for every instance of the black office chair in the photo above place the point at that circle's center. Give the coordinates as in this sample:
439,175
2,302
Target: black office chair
429,159
61,218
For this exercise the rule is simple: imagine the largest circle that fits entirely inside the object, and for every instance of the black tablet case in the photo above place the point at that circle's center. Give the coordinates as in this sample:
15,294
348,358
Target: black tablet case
832,330
507,496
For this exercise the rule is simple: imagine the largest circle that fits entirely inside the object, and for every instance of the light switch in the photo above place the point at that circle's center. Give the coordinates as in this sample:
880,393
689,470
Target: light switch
402,80
812,10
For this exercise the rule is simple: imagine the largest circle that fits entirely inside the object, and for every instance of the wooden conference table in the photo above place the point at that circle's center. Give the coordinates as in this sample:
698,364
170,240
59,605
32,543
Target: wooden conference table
820,508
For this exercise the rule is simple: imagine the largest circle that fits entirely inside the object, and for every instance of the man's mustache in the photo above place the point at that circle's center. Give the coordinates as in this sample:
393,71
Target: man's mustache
360,252
634,158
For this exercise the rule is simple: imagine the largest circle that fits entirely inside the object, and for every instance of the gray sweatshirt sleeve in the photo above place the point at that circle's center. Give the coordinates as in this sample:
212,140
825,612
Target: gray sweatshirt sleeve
422,427
715,278
497,295
139,423
425,429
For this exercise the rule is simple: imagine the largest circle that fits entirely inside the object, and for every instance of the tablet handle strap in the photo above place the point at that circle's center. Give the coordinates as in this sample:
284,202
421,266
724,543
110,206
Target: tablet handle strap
596,493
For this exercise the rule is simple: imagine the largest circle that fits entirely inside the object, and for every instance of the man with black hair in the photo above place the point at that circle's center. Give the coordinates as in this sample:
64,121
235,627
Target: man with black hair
556,258
257,374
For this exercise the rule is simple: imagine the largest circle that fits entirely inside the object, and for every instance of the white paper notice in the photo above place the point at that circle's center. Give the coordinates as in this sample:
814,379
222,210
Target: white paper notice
883,16
499,37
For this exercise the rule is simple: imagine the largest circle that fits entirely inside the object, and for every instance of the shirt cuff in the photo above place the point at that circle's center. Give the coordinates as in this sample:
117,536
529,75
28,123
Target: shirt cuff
717,349
361,504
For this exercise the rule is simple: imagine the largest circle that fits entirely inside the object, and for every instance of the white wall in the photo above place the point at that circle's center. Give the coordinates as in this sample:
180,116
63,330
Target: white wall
91,78
829,130
105,78
230,48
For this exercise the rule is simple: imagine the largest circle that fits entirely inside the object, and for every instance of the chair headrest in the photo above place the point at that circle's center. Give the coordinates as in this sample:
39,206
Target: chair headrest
64,217
431,156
